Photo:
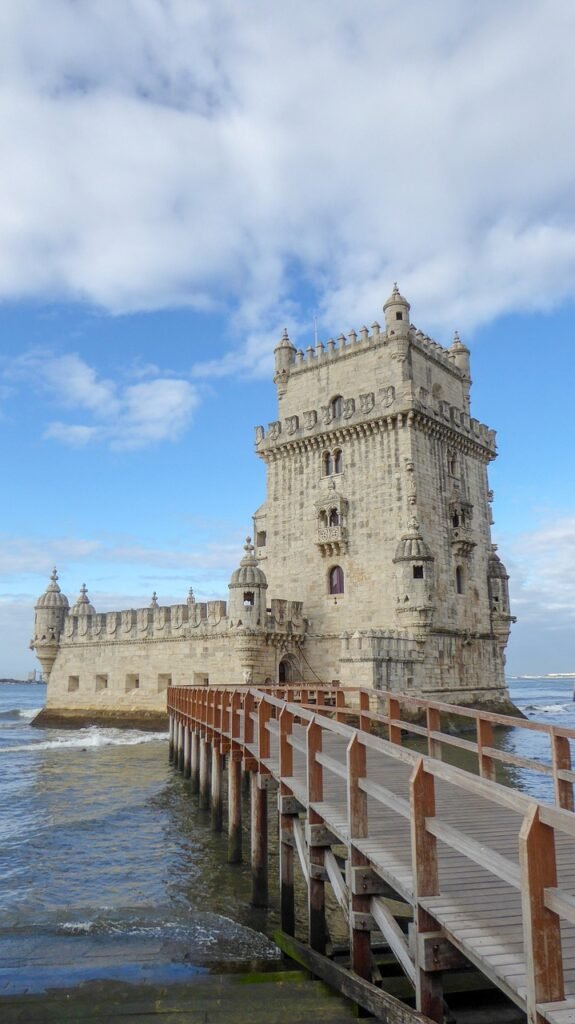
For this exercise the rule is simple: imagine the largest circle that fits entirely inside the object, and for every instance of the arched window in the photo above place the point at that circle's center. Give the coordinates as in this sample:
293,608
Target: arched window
334,517
249,598
336,407
459,579
323,519
337,461
327,464
336,580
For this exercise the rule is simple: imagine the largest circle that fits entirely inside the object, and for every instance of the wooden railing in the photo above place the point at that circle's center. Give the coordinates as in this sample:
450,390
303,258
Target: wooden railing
339,783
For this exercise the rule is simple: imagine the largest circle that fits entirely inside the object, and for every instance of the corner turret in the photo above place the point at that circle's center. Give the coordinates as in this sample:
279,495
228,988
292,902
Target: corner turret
396,311
51,610
247,588
285,354
498,586
459,354
415,580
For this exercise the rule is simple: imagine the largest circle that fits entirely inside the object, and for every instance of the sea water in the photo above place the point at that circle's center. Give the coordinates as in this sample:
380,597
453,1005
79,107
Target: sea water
109,868
107,864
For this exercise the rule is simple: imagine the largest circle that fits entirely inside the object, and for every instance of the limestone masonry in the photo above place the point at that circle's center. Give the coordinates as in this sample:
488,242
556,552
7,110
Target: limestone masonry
372,561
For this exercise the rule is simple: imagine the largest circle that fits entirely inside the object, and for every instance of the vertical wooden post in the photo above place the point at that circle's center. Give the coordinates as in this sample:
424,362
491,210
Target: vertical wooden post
171,741
541,927
433,720
264,714
287,897
249,704
394,711
487,766
360,939
187,764
316,887
234,807
340,704
195,761
181,731
217,807
428,989
204,773
259,839
561,754
364,716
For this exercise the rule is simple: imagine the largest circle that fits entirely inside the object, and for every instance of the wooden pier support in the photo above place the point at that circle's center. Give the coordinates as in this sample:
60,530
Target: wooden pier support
195,762
181,731
259,838
187,766
204,773
234,807
217,805
171,740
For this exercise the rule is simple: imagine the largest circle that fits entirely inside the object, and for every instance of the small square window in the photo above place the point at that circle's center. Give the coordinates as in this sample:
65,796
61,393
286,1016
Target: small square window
132,682
399,316
164,680
418,572
101,682
73,683
261,539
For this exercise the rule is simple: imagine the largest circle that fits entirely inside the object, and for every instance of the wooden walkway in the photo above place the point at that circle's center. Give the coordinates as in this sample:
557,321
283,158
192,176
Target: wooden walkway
488,872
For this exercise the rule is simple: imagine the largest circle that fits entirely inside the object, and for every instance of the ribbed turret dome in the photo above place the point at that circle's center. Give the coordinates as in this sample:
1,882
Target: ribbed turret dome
83,606
284,341
457,344
495,566
412,546
52,596
395,298
248,574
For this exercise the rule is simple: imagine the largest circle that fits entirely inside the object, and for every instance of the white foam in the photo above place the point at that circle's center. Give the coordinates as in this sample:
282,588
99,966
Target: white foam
551,709
92,738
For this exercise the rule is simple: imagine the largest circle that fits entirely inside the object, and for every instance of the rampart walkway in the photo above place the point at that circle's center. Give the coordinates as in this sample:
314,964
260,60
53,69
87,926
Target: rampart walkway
488,872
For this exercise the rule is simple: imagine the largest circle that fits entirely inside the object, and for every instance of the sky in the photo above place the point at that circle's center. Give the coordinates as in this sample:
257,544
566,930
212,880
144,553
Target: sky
182,179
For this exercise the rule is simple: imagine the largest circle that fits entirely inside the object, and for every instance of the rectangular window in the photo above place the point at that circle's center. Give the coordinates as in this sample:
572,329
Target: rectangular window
261,539
201,679
132,682
164,680
101,682
418,572
73,683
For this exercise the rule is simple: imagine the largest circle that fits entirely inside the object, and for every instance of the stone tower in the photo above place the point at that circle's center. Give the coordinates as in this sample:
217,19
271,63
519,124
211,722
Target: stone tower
50,613
377,512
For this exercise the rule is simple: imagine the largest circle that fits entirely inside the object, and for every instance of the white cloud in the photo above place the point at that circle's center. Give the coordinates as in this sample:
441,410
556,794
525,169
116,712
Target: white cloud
161,152
541,564
125,415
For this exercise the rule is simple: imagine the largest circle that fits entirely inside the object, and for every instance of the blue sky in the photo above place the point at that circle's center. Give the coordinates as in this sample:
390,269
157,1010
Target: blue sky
183,179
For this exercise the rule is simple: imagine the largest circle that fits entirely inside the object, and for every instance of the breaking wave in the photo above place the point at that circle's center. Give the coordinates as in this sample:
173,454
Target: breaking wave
19,714
92,738
550,709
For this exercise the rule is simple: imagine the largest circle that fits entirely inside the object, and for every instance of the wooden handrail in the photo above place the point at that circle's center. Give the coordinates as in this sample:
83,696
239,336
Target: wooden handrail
269,728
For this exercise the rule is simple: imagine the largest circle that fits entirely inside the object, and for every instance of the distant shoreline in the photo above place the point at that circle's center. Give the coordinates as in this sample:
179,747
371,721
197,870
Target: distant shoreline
22,682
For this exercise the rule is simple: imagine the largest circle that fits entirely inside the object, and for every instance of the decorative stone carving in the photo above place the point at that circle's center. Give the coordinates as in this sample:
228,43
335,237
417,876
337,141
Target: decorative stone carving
348,408
260,435
388,396
275,429
367,402
292,424
310,419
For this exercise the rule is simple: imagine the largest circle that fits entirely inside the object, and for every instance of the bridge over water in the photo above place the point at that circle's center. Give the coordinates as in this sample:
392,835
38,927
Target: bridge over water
446,866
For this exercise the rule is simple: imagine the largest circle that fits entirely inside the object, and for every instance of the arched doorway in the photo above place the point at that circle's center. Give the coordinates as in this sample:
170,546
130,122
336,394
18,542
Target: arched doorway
288,669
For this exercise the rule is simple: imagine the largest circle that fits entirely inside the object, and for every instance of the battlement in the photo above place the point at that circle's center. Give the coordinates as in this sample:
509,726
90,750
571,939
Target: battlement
359,341
183,621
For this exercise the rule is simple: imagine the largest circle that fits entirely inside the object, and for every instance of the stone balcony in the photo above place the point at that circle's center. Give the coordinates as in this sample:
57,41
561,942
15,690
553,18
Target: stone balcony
332,540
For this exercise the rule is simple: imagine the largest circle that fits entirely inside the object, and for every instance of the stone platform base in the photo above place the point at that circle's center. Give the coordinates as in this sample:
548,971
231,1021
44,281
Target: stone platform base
62,718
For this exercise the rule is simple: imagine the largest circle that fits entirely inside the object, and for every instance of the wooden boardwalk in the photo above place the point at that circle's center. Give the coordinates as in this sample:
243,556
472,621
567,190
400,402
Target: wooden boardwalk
488,872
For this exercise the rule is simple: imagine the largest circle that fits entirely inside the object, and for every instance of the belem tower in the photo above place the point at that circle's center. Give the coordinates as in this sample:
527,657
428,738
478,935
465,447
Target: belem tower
371,563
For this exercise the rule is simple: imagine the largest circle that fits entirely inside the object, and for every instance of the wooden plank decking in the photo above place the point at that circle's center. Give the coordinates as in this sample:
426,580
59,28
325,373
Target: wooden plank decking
485,868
